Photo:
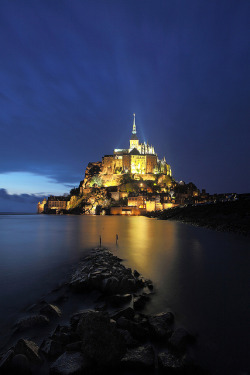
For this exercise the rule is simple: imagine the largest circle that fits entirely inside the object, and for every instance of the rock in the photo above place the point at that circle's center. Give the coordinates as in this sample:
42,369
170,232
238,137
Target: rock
79,282
150,286
169,362
100,306
179,339
31,322
140,301
110,285
136,273
29,349
20,365
130,341
173,363
160,325
74,346
51,348
140,358
64,335
128,284
101,341
137,330
69,364
6,360
120,299
74,319
50,311
128,313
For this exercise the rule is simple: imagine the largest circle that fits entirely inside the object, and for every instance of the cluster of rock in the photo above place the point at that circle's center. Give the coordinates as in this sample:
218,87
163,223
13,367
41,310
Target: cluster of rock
123,340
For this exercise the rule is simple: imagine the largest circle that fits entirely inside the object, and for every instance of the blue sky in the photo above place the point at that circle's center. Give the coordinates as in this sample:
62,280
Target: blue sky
73,73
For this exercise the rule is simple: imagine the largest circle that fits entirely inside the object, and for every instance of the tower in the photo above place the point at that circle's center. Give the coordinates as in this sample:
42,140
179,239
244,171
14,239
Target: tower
134,126
134,141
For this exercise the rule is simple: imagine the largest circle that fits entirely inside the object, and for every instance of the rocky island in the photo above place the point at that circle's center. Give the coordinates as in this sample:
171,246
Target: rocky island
131,181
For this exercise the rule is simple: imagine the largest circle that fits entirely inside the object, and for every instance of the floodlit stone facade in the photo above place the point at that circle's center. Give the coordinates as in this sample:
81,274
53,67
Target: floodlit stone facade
140,160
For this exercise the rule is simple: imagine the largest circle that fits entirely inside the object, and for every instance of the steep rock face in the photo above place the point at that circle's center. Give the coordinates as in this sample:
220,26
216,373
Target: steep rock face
92,169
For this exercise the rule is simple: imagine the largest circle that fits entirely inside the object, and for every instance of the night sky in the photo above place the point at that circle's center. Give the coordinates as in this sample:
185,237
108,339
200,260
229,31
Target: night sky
72,74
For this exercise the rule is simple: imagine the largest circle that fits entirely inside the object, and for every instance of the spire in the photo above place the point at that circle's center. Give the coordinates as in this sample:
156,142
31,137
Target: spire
134,126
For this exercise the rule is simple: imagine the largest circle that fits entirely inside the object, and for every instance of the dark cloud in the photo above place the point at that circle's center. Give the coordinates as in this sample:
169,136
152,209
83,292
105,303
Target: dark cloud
24,198
19,202
72,74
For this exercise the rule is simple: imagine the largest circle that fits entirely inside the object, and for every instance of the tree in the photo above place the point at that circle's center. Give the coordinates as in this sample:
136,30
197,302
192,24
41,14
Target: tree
126,178
96,180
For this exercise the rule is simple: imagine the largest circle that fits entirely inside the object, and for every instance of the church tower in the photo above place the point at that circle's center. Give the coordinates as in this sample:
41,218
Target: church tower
134,141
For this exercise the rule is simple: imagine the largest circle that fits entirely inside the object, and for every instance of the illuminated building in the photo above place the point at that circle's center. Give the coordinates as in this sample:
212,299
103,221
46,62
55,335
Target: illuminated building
140,159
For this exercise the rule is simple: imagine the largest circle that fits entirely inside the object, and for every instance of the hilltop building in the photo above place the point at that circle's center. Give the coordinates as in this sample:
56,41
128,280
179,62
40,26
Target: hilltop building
140,159
130,181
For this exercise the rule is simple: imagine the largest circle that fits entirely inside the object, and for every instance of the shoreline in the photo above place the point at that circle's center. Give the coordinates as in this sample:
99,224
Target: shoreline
229,217
114,299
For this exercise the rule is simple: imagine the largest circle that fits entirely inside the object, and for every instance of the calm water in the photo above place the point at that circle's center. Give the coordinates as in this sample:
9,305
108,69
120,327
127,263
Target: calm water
201,275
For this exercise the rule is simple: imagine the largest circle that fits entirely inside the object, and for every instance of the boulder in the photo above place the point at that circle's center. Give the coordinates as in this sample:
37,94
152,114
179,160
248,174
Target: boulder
128,284
141,358
64,335
102,343
74,320
136,273
74,346
51,348
29,349
51,311
79,282
31,322
120,299
169,362
136,329
130,341
110,285
160,325
69,364
128,313
140,301
179,339
20,365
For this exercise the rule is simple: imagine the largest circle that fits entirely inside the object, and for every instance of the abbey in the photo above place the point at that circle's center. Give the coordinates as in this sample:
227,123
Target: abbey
139,159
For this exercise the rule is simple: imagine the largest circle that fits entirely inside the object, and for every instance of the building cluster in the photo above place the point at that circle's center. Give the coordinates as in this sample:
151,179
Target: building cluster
139,159
131,181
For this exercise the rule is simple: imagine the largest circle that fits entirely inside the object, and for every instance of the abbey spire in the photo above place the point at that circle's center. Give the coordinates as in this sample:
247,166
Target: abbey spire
134,126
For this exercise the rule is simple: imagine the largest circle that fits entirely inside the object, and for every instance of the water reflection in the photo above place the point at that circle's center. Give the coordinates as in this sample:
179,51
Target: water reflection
200,274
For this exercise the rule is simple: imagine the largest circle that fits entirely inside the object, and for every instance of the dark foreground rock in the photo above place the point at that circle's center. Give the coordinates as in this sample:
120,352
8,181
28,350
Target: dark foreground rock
161,325
29,349
141,358
104,272
31,322
102,340
102,343
69,364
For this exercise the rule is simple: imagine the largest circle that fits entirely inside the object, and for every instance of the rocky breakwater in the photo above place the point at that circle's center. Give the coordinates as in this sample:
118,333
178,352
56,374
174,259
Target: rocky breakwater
115,336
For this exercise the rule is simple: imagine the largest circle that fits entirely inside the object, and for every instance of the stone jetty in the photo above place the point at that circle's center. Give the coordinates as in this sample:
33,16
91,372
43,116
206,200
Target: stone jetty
115,336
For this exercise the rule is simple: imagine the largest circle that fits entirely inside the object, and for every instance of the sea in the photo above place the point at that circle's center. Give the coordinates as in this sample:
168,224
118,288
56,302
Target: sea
201,275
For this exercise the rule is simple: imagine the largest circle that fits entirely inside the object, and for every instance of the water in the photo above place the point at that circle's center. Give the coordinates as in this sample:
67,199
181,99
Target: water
201,275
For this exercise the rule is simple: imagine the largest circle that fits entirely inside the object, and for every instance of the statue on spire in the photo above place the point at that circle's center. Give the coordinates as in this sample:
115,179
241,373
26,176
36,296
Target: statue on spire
134,126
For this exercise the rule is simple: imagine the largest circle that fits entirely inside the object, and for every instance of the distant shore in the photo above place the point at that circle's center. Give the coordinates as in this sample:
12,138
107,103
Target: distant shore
222,216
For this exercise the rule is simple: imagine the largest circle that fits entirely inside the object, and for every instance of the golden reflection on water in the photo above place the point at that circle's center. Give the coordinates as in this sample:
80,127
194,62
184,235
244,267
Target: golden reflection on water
147,244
